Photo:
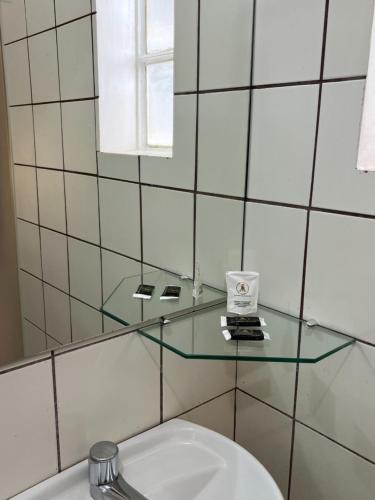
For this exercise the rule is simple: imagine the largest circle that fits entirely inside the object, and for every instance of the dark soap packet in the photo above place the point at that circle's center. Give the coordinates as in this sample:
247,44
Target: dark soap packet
240,322
171,293
247,334
144,292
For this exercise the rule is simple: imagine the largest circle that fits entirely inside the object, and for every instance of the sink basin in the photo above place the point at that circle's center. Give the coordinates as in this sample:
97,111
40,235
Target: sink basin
177,460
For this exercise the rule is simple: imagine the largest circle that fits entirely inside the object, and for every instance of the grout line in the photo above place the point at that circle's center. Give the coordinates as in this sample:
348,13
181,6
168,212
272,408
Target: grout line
265,403
263,86
305,255
56,408
49,29
43,357
201,404
58,101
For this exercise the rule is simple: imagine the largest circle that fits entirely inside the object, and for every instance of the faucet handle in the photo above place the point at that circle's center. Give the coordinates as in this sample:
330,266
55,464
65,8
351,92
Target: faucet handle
103,463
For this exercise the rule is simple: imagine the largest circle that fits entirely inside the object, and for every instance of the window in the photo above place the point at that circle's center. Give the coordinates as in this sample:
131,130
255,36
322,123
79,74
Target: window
366,154
135,45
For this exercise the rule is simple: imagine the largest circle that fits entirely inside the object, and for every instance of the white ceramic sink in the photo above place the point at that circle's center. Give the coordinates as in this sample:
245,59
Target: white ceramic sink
175,461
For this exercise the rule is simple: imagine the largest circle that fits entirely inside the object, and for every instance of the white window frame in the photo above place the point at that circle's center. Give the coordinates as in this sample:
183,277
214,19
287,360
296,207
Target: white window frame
143,60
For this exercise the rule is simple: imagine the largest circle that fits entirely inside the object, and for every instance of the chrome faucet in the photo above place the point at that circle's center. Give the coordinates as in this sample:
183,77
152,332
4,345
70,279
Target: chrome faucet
105,480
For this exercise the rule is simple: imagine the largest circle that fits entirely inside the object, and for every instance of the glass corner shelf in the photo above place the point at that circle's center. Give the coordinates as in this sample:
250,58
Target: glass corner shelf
191,327
199,337
127,310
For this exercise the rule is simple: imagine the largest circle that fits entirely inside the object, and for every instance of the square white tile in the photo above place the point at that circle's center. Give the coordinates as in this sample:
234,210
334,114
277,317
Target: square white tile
282,143
71,9
168,229
48,137
26,193
43,67
55,259
225,43
178,171
82,207
222,142
348,38
17,75
28,246
13,21
274,246
127,366
266,434
335,398
288,40
40,15
85,272
120,217
75,59
34,339
340,273
115,268
218,238
185,45
182,378
123,167
217,415
78,123
32,302
51,199
325,470
273,383
86,321
28,424
57,314
22,135
337,151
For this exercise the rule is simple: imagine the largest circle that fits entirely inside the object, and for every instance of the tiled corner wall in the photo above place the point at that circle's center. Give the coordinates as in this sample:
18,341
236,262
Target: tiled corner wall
267,111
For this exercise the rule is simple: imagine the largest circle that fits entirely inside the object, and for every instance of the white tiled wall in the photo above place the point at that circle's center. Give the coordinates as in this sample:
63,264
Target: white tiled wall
83,216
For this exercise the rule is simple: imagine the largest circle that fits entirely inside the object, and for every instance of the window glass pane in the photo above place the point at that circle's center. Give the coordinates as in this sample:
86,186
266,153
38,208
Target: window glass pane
160,19
160,104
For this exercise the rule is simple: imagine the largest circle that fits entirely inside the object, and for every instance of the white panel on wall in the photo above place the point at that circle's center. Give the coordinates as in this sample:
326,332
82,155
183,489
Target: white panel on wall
40,15
123,167
48,140
31,295
28,246
34,339
168,229
25,192
185,50
348,38
218,238
340,273
225,44
55,259
75,59
128,365
120,217
57,314
288,40
81,193
86,321
282,143
13,22
324,470
22,135
267,434
337,151
335,397
71,9
51,199
115,268
17,73
43,67
85,272
223,124
274,246
18,389
78,124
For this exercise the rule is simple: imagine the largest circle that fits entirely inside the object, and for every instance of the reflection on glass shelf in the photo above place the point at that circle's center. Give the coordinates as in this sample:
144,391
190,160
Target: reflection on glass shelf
200,337
124,308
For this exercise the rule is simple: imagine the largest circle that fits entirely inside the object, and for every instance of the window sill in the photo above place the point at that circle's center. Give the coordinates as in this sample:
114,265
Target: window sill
160,153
